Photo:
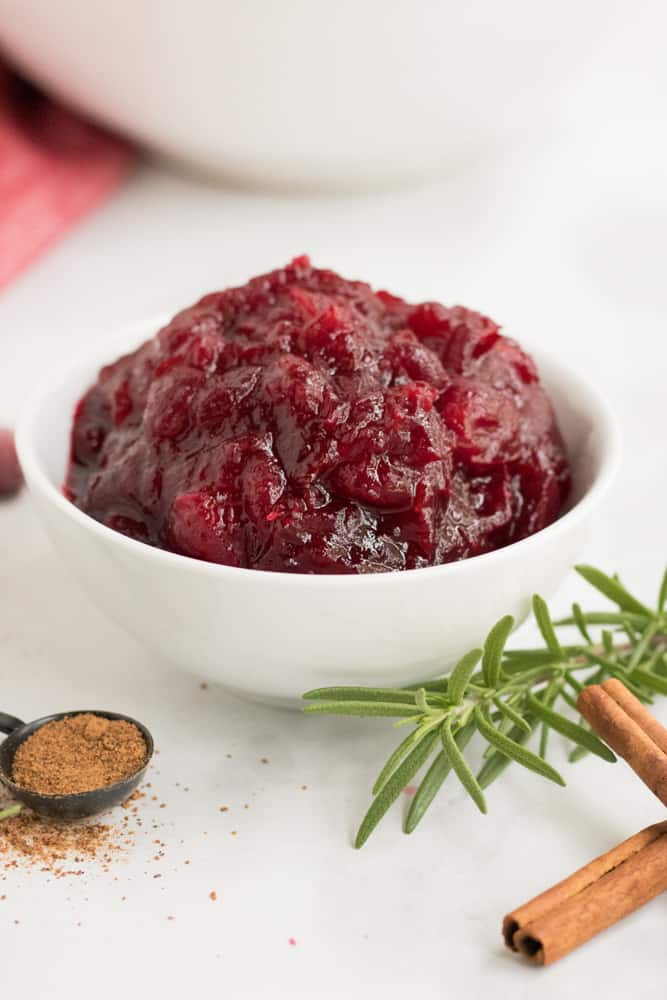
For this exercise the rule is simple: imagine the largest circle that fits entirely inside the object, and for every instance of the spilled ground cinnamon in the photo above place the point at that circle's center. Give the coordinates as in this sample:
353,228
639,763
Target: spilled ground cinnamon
598,895
65,847
78,754
50,845
628,727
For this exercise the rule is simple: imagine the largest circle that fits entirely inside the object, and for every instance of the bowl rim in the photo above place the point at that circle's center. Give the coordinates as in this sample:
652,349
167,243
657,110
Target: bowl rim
133,334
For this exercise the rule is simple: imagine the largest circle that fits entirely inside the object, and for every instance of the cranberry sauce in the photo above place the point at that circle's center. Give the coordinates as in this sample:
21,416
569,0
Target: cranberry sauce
304,423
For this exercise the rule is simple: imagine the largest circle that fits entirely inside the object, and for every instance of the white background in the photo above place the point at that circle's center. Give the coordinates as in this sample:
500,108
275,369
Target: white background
561,237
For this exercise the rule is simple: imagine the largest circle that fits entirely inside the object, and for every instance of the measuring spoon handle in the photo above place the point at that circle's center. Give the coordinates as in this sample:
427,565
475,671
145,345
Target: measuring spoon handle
8,723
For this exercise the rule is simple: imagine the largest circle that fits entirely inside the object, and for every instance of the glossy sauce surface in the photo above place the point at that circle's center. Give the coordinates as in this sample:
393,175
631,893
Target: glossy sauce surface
304,423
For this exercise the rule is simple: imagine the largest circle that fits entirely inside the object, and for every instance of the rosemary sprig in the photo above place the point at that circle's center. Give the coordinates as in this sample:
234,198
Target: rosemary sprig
507,695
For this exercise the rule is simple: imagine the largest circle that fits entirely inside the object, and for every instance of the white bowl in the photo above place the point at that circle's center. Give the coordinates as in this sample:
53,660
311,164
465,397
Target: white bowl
308,92
272,636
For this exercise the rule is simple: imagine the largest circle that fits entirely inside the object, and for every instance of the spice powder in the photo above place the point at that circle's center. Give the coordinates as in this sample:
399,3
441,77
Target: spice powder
78,754
28,840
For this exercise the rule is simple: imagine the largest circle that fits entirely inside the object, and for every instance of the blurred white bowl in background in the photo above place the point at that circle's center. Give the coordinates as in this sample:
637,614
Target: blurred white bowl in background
306,92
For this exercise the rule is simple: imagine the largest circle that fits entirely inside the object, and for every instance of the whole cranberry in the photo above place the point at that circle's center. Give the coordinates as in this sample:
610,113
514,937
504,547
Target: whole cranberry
11,477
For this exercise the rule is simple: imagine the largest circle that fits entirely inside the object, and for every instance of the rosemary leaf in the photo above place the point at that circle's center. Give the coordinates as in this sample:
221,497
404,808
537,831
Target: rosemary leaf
510,714
546,627
630,629
547,698
662,594
505,727
515,661
610,666
429,787
393,788
570,679
567,697
493,767
360,694
540,654
655,662
617,671
437,686
493,650
364,708
613,589
433,779
496,762
573,732
642,646
606,618
544,741
461,674
659,664
580,622
654,682
401,751
460,766
515,750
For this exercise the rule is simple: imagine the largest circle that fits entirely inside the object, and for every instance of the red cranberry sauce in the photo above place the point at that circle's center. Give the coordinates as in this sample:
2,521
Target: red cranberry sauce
304,423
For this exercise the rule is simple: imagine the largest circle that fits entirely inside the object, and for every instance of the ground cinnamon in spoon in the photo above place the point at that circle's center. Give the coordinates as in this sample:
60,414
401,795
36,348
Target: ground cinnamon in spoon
78,754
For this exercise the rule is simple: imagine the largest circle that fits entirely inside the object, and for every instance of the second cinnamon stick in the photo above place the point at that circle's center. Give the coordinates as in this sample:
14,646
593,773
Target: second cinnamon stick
628,727
598,895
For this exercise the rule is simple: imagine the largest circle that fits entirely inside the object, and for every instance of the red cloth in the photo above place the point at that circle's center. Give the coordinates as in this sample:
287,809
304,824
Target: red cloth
54,168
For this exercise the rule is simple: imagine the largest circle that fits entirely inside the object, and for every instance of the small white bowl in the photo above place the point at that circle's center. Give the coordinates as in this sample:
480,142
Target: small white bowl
272,636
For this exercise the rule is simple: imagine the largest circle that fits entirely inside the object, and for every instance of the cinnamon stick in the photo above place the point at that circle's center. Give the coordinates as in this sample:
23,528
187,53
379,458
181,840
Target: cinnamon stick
598,895
628,727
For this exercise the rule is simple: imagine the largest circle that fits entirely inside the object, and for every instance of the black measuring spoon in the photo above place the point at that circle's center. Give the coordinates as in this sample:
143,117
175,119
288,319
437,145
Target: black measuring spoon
81,804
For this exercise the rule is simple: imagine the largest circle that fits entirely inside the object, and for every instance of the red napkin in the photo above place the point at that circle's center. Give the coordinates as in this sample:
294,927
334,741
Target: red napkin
54,168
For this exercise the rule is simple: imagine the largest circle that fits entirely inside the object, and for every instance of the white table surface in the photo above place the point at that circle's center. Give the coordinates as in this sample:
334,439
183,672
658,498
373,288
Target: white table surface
561,239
